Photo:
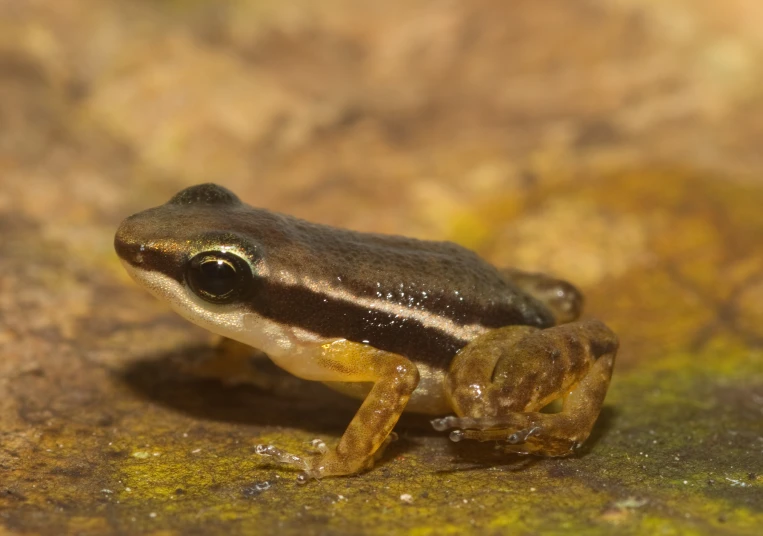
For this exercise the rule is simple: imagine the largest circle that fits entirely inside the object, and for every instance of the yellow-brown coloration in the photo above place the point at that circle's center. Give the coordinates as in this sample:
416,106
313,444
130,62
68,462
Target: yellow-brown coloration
580,379
499,383
394,378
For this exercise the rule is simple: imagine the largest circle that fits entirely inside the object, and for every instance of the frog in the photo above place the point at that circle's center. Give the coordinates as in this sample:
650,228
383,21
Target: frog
400,323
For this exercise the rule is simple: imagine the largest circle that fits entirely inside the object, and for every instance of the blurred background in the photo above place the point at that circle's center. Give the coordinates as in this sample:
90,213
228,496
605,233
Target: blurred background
615,143
335,109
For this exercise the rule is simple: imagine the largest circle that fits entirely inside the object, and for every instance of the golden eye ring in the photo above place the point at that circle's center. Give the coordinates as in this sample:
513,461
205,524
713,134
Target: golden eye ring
218,277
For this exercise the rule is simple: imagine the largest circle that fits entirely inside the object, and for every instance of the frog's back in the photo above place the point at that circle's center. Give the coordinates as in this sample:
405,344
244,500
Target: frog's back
421,299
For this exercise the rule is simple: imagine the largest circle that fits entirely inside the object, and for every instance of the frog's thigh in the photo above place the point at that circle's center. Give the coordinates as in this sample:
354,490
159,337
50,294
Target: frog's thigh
531,368
562,298
394,378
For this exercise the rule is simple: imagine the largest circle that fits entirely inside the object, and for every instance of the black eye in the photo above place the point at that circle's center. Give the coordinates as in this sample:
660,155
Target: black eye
218,277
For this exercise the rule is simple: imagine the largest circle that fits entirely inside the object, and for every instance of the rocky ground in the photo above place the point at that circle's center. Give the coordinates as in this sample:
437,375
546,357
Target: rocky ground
613,143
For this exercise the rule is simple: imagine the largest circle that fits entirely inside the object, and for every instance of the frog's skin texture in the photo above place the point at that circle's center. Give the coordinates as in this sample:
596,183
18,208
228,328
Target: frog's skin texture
402,324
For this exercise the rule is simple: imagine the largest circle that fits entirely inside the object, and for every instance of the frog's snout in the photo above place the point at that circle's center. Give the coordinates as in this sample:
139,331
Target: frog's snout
138,244
125,244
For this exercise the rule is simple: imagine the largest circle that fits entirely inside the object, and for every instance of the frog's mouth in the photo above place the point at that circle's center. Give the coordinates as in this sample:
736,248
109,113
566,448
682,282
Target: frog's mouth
158,284
234,321
225,320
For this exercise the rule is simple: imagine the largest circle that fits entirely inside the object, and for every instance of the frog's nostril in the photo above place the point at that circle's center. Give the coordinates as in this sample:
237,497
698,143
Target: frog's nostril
128,252
126,246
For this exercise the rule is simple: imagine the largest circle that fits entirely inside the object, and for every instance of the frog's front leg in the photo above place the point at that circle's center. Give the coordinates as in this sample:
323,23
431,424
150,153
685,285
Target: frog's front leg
498,384
236,363
394,378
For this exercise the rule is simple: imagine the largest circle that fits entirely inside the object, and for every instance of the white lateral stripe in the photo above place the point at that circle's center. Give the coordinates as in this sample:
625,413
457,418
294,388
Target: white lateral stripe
464,332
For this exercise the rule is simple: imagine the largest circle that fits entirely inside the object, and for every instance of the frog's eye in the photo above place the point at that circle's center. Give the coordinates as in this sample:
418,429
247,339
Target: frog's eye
218,277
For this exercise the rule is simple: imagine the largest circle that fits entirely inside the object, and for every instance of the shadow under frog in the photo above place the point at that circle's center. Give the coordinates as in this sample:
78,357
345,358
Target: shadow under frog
197,381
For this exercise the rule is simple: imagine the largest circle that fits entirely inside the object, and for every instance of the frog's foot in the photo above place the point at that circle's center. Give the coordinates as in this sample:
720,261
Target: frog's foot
517,370
281,456
321,463
522,433
446,423
394,378
490,429
308,464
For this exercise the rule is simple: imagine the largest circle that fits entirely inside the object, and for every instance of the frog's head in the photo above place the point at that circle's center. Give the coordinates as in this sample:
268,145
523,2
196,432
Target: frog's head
197,252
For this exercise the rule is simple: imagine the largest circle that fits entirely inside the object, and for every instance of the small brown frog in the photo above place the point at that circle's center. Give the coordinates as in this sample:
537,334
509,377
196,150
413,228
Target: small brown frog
403,324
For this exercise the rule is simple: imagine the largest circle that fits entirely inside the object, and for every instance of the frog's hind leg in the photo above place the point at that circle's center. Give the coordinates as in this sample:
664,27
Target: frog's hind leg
498,384
563,299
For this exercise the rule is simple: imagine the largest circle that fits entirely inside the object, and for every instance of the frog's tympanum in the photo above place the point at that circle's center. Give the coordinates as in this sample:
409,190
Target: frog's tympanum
400,323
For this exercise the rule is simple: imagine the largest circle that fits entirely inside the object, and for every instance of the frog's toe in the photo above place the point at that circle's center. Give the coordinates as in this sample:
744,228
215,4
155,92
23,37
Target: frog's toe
319,445
509,434
281,456
311,472
521,436
515,438
446,423
441,424
456,435
312,466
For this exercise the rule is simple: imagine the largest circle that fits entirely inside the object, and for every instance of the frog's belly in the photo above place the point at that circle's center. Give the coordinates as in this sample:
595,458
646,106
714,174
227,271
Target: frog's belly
428,398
